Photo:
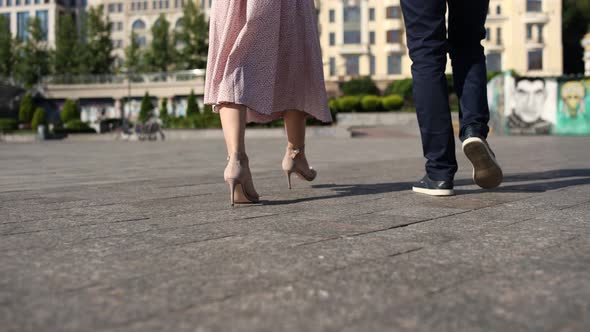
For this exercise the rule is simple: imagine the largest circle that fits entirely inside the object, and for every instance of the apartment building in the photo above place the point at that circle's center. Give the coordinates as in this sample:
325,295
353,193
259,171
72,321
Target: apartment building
18,13
140,16
367,37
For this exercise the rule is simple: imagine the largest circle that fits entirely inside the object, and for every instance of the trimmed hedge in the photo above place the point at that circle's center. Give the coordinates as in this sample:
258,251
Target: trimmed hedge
360,86
349,104
400,87
371,104
8,125
393,103
76,126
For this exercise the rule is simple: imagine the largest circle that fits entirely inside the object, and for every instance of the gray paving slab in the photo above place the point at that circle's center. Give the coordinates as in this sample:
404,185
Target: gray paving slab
133,236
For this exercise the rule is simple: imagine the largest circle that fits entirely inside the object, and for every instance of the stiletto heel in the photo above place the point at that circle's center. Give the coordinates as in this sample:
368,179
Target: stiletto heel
295,162
238,177
232,189
288,173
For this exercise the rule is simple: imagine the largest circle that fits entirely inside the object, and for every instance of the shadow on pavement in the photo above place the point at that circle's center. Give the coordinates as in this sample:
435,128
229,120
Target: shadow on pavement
540,182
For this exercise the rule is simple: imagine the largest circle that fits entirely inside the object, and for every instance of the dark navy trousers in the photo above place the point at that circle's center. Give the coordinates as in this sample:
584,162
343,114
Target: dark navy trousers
429,43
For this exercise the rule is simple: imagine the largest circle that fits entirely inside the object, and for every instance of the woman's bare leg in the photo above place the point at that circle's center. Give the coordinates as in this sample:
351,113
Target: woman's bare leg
295,128
233,121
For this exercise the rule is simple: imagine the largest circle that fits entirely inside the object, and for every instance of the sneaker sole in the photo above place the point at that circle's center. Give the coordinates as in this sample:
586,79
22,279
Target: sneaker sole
486,171
434,192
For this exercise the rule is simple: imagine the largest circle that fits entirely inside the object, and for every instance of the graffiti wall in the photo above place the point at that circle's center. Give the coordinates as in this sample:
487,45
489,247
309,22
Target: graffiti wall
539,106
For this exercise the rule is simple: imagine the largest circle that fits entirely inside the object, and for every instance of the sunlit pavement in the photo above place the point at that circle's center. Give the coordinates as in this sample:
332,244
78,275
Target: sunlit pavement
140,236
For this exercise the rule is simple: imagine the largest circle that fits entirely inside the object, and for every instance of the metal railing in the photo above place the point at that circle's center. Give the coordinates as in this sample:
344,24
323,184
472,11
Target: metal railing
159,77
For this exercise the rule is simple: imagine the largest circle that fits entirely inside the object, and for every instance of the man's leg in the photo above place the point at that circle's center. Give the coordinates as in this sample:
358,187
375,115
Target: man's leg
466,31
427,43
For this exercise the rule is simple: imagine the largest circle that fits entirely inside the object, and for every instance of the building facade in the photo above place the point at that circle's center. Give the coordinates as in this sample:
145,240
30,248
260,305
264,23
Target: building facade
367,38
18,13
140,16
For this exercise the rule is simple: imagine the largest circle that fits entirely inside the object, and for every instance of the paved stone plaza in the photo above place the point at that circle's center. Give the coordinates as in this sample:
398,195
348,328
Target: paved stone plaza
132,236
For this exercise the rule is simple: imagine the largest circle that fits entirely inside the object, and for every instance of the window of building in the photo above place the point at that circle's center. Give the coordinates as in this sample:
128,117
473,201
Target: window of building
138,25
332,39
352,65
499,36
332,66
488,34
22,25
372,65
332,16
120,7
494,62
394,64
27,2
372,37
371,14
499,10
394,36
352,37
43,17
352,14
393,12
534,6
111,7
535,58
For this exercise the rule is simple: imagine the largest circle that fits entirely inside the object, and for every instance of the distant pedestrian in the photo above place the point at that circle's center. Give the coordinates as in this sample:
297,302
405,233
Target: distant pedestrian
428,45
264,63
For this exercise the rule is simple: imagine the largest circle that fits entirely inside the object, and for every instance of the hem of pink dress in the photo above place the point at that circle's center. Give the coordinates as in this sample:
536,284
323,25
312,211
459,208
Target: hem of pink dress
263,117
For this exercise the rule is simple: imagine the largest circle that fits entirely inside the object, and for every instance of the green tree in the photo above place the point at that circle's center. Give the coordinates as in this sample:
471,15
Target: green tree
38,118
6,48
146,109
66,59
133,54
25,111
97,47
192,108
576,23
70,111
33,61
164,109
191,38
162,52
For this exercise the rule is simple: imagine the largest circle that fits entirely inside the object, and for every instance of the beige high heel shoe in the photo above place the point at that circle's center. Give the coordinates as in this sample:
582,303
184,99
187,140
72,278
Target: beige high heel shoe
238,177
295,162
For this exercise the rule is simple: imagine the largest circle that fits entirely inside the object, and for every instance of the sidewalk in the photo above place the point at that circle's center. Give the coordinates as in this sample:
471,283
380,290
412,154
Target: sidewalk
139,236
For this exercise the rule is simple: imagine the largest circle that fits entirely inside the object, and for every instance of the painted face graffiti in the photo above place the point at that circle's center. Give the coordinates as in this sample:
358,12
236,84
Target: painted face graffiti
529,99
573,94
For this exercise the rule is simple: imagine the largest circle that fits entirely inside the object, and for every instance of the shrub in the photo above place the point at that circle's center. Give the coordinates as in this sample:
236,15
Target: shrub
360,86
400,87
26,108
77,126
333,103
393,102
38,118
69,112
192,107
7,125
371,104
349,104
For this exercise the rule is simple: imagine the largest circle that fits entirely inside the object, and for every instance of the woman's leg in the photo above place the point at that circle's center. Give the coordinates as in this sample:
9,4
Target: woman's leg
295,160
233,121
295,128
